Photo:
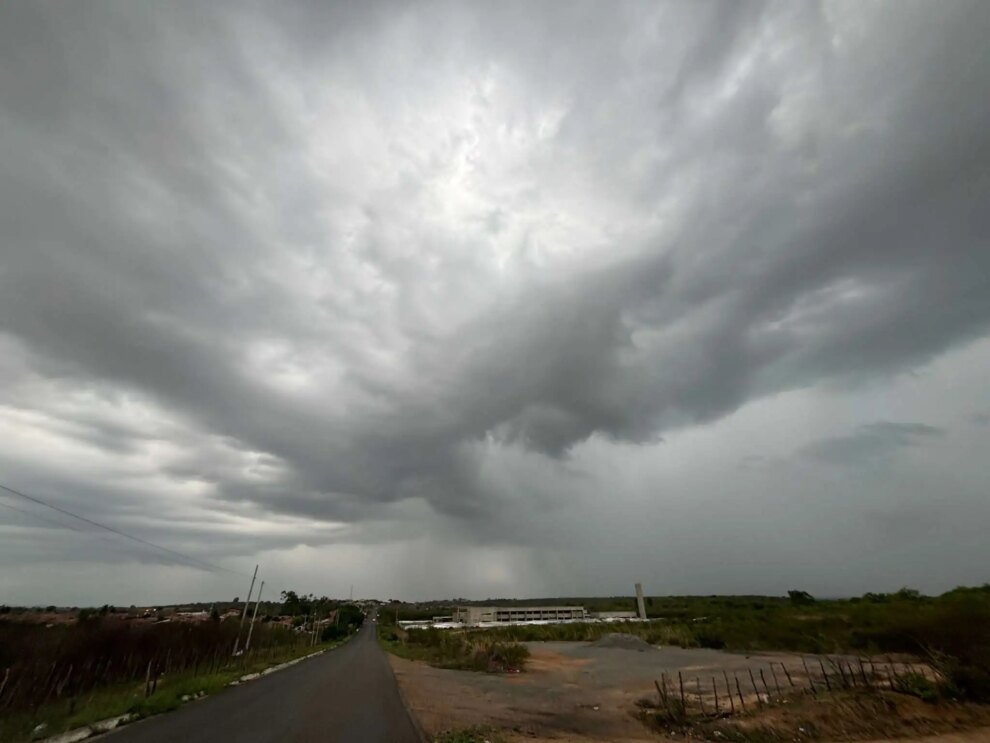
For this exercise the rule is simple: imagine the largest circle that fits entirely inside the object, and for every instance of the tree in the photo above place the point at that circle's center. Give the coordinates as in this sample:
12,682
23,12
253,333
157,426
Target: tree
800,598
294,605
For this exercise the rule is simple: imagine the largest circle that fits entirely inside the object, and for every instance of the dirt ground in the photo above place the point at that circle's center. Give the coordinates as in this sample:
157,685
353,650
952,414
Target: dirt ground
578,692
570,691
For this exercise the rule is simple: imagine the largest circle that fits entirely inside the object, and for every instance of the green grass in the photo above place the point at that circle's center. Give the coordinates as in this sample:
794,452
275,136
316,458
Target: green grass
123,699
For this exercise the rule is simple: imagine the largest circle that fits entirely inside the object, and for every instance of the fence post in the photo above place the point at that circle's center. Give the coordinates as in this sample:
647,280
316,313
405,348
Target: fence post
147,681
822,665
842,675
58,690
752,680
728,690
811,680
701,701
774,675
742,701
715,692
788,674
765,687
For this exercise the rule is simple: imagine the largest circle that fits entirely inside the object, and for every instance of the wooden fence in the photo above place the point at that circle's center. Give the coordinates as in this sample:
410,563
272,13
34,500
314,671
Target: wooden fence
727,693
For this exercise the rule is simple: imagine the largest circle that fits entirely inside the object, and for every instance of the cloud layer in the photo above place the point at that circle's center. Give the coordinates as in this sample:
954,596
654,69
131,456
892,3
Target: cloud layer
332,273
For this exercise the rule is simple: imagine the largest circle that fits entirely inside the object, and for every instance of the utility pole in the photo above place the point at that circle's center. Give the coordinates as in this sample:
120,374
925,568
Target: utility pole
316,627
247,601
247,645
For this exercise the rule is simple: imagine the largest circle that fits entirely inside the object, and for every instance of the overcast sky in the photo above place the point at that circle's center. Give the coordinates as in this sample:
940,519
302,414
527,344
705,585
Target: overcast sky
494,299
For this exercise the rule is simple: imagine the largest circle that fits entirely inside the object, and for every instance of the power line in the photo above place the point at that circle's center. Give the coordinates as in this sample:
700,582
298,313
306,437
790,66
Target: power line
32,514
200,563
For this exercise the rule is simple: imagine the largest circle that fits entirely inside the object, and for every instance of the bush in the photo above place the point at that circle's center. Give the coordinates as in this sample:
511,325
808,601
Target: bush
917,685
498,657
333,632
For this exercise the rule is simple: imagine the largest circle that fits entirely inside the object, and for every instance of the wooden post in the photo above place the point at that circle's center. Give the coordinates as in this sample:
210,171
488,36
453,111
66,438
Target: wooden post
811,680
715,692
787,673
58,689
862,672
660,695
775,684
680,682
742,700
697,689
842,674
759,699
728,690
828,685
764,680
147,681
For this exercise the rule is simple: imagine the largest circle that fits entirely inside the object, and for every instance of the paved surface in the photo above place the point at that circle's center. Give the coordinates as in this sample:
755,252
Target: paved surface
348,694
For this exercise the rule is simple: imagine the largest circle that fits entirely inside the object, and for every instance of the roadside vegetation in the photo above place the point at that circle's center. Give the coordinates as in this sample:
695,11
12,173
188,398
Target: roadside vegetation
951,632
97,664
456,650
839,715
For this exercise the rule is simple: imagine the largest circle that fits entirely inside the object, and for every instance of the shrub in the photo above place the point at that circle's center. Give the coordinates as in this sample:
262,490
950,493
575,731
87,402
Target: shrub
917,685
333,632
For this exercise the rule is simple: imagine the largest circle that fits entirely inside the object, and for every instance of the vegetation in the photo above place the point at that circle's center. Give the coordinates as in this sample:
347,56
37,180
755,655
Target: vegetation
842,715
348,619
112,700
951,631
447,649
91,664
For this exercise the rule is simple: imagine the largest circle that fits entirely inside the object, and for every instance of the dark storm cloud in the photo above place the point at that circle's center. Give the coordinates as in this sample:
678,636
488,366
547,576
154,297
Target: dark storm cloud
258,222
871,443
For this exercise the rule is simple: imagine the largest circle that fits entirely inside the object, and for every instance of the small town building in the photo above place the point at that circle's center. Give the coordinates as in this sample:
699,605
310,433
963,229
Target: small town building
486,614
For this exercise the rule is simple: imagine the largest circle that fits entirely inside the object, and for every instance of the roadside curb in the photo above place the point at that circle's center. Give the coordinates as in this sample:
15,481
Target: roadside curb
95,728
112,723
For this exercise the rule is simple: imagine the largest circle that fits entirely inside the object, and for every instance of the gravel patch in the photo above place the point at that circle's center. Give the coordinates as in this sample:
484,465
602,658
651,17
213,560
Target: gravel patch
622,642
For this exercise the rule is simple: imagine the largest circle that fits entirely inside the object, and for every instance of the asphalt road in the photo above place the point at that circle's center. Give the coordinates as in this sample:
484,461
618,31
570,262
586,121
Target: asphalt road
348,694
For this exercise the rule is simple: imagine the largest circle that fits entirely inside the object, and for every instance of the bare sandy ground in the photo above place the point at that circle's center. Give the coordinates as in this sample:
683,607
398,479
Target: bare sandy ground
569,692
577,692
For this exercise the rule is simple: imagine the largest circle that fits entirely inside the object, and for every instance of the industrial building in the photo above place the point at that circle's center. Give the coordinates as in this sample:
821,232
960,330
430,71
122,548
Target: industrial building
485,614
